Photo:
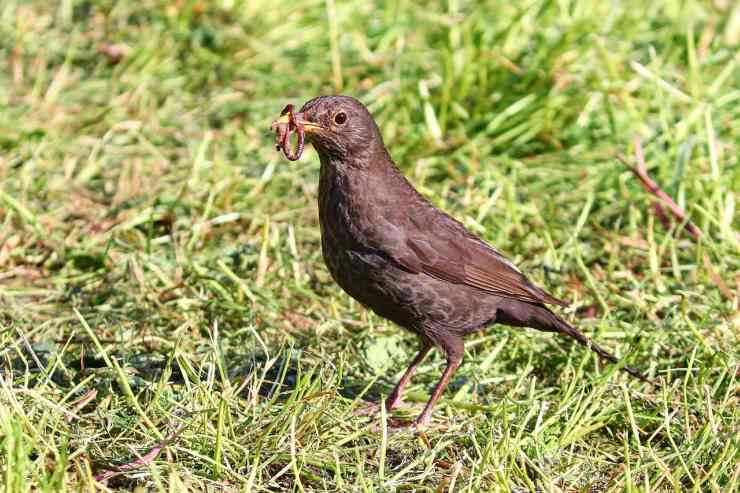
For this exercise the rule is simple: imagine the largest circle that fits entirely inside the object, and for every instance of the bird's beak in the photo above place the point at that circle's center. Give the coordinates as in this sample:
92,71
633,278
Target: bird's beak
300,119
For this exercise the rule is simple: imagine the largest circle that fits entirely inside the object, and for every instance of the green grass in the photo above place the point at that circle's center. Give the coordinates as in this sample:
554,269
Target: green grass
160,268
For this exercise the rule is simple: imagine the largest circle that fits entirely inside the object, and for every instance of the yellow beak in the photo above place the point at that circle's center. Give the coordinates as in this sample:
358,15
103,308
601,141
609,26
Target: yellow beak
307,126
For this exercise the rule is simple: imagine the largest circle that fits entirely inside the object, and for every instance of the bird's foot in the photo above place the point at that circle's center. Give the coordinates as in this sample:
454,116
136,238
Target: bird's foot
422,427
393,426
367,409
422,422
400,425
372,408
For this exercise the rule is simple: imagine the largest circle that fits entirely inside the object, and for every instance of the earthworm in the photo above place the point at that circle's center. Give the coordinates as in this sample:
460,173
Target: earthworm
284,130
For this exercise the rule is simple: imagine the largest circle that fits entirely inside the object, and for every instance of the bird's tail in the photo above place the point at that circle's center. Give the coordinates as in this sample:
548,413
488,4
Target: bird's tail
540,317
557,324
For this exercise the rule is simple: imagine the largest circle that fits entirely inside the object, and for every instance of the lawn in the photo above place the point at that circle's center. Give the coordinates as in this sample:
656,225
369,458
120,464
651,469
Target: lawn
166,319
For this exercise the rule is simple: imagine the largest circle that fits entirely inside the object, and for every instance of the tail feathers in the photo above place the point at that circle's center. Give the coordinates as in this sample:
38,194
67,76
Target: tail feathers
559,325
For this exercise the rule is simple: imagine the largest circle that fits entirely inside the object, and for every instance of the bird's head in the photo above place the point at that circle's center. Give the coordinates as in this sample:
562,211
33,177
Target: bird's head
339,127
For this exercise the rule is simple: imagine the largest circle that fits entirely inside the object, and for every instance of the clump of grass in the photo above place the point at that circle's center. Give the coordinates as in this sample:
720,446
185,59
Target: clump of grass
166,321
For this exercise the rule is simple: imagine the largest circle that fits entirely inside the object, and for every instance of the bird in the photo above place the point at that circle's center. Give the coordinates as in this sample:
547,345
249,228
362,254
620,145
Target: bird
394,252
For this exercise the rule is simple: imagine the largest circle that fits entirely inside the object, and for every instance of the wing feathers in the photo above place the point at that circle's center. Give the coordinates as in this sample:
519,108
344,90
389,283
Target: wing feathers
433,243
478,266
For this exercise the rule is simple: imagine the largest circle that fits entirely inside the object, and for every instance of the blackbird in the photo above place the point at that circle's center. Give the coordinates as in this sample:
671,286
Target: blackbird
394,252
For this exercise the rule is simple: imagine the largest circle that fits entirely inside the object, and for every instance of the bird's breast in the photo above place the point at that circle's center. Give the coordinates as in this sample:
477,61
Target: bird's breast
357,267
342,208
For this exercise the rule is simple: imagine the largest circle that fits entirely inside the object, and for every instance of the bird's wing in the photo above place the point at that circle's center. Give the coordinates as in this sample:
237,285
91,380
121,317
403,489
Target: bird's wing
472,262
446,250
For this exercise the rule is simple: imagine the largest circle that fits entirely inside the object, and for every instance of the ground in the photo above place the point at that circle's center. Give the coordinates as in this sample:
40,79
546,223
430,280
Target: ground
166,320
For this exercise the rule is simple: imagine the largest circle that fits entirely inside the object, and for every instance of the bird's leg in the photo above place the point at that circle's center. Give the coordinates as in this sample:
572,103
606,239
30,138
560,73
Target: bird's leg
455,351
426,415
395,396
394,399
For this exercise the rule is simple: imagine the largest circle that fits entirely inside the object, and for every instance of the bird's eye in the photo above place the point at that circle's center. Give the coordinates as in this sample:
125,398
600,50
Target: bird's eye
340,118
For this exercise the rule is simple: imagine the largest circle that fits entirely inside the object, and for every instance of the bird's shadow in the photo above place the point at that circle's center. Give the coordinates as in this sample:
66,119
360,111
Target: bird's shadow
275,377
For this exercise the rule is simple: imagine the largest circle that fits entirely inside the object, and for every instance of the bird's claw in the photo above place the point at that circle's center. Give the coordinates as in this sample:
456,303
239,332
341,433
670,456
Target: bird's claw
367,409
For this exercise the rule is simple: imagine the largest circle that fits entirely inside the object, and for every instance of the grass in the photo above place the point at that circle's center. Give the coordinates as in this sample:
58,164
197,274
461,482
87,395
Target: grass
163,302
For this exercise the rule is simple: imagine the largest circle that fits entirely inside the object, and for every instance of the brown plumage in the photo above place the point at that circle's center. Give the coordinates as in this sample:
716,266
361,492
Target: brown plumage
395,253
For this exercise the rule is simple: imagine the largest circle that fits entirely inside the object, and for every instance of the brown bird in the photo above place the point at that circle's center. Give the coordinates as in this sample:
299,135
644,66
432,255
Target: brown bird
394,252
